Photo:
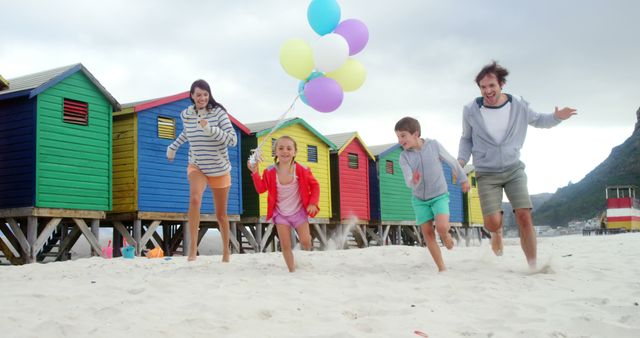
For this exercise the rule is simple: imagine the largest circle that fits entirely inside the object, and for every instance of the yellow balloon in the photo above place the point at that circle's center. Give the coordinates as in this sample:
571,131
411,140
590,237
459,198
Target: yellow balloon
350,76
296,57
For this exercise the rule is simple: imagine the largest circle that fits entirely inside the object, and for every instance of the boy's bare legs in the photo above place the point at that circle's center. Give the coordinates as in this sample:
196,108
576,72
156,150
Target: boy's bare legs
493,223
284,233
304,235
430,237
527,235
197,184
442,227
220,200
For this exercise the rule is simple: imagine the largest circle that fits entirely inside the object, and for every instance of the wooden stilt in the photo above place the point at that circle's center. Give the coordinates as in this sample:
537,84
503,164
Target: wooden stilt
24,247
322,237
67,243
95,230
235,246
151,230
13,241
137,234
44,235
249,236
268,236
87,233
124,232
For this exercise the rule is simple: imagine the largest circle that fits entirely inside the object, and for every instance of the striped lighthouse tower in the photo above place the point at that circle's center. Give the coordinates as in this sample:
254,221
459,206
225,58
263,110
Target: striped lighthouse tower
623,207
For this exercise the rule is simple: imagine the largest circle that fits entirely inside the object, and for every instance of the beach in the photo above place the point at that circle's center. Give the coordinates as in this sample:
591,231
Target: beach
584,287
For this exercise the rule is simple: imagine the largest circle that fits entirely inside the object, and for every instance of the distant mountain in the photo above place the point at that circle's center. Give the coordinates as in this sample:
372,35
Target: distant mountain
586,199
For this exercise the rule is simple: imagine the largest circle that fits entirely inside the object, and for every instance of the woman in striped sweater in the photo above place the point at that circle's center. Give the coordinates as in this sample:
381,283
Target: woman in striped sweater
209,131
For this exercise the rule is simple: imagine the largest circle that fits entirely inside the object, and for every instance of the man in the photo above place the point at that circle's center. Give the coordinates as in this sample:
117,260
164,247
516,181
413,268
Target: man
493,131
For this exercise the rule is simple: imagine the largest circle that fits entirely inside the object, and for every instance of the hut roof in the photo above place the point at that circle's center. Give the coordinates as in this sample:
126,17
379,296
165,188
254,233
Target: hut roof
262,128
34,84
342,140
383,149
134,107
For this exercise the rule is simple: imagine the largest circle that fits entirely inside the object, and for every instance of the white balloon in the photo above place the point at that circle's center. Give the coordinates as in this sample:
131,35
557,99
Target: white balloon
330,52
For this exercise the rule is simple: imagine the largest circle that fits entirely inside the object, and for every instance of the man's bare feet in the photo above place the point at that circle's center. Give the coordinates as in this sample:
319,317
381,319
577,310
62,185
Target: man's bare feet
191,258
225,258
496,242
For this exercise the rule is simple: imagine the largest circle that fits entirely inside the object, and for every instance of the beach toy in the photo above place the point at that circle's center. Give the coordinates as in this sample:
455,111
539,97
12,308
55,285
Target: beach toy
420,333
155,253
129,252
108,251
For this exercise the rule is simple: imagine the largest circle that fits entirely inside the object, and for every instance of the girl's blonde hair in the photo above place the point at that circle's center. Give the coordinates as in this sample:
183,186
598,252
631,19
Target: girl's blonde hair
275,146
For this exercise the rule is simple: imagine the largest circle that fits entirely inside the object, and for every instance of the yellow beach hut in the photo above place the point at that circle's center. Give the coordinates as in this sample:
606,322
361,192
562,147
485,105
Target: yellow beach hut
312,151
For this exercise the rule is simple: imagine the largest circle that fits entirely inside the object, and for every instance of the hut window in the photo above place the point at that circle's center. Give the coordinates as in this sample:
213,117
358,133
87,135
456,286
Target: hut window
75,112
166,127
389,168
473,182
353,161
312,154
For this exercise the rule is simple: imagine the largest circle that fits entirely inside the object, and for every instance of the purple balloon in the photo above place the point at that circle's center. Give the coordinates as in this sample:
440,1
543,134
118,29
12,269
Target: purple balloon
356,34
323,94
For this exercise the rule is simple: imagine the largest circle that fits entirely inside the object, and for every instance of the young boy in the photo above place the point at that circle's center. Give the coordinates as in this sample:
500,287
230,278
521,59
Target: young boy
422,169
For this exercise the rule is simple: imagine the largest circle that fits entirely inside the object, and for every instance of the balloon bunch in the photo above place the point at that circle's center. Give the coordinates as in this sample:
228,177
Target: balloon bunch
326,69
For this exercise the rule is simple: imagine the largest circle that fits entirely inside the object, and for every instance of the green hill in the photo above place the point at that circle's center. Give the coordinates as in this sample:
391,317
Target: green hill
586,199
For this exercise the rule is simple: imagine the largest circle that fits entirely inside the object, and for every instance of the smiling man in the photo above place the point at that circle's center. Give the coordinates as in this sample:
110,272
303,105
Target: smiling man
494,127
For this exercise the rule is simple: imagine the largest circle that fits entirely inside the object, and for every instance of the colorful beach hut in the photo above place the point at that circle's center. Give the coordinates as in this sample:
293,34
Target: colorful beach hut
55,173
473,212
150,191
313,152
350,178
390,199
456,198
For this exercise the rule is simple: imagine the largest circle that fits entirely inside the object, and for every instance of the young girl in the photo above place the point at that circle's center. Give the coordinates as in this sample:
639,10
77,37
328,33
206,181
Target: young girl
207,128
293,196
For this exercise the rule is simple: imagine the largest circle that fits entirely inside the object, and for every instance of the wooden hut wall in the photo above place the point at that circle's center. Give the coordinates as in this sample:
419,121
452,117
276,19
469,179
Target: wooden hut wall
456,206
374,191
125,163
395,196
163,185
353,183
473,212
250,201
17,151
73,162
320,169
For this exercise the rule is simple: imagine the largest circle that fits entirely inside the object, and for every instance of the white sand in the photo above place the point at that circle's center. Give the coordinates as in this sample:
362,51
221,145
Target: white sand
591,288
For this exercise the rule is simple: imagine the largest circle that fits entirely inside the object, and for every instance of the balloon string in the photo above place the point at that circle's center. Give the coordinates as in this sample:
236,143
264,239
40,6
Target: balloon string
255,153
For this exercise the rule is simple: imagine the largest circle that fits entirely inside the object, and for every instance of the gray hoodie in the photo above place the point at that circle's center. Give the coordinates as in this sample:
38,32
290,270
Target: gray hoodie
428,161
488,155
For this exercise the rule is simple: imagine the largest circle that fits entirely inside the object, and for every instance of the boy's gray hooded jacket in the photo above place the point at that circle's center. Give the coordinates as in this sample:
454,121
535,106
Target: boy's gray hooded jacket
428,161
488,155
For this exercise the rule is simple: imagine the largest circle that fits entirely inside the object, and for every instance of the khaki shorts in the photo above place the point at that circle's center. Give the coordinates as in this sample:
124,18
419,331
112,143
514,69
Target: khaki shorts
514,184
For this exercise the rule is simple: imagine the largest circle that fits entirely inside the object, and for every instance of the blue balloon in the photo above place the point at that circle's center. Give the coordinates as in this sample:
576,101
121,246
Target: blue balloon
301,91
323,15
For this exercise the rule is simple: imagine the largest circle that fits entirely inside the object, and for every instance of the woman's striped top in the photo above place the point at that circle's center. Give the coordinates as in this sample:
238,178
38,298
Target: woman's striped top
208,145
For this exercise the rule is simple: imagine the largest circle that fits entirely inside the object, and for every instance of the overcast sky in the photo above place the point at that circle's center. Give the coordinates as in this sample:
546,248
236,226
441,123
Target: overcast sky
421,61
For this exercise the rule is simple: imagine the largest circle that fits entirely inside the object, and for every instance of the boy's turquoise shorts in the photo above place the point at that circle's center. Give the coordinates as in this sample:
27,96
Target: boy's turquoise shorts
427,209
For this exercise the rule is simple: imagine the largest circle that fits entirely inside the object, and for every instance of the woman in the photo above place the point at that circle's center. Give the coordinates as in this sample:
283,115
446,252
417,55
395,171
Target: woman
209,131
